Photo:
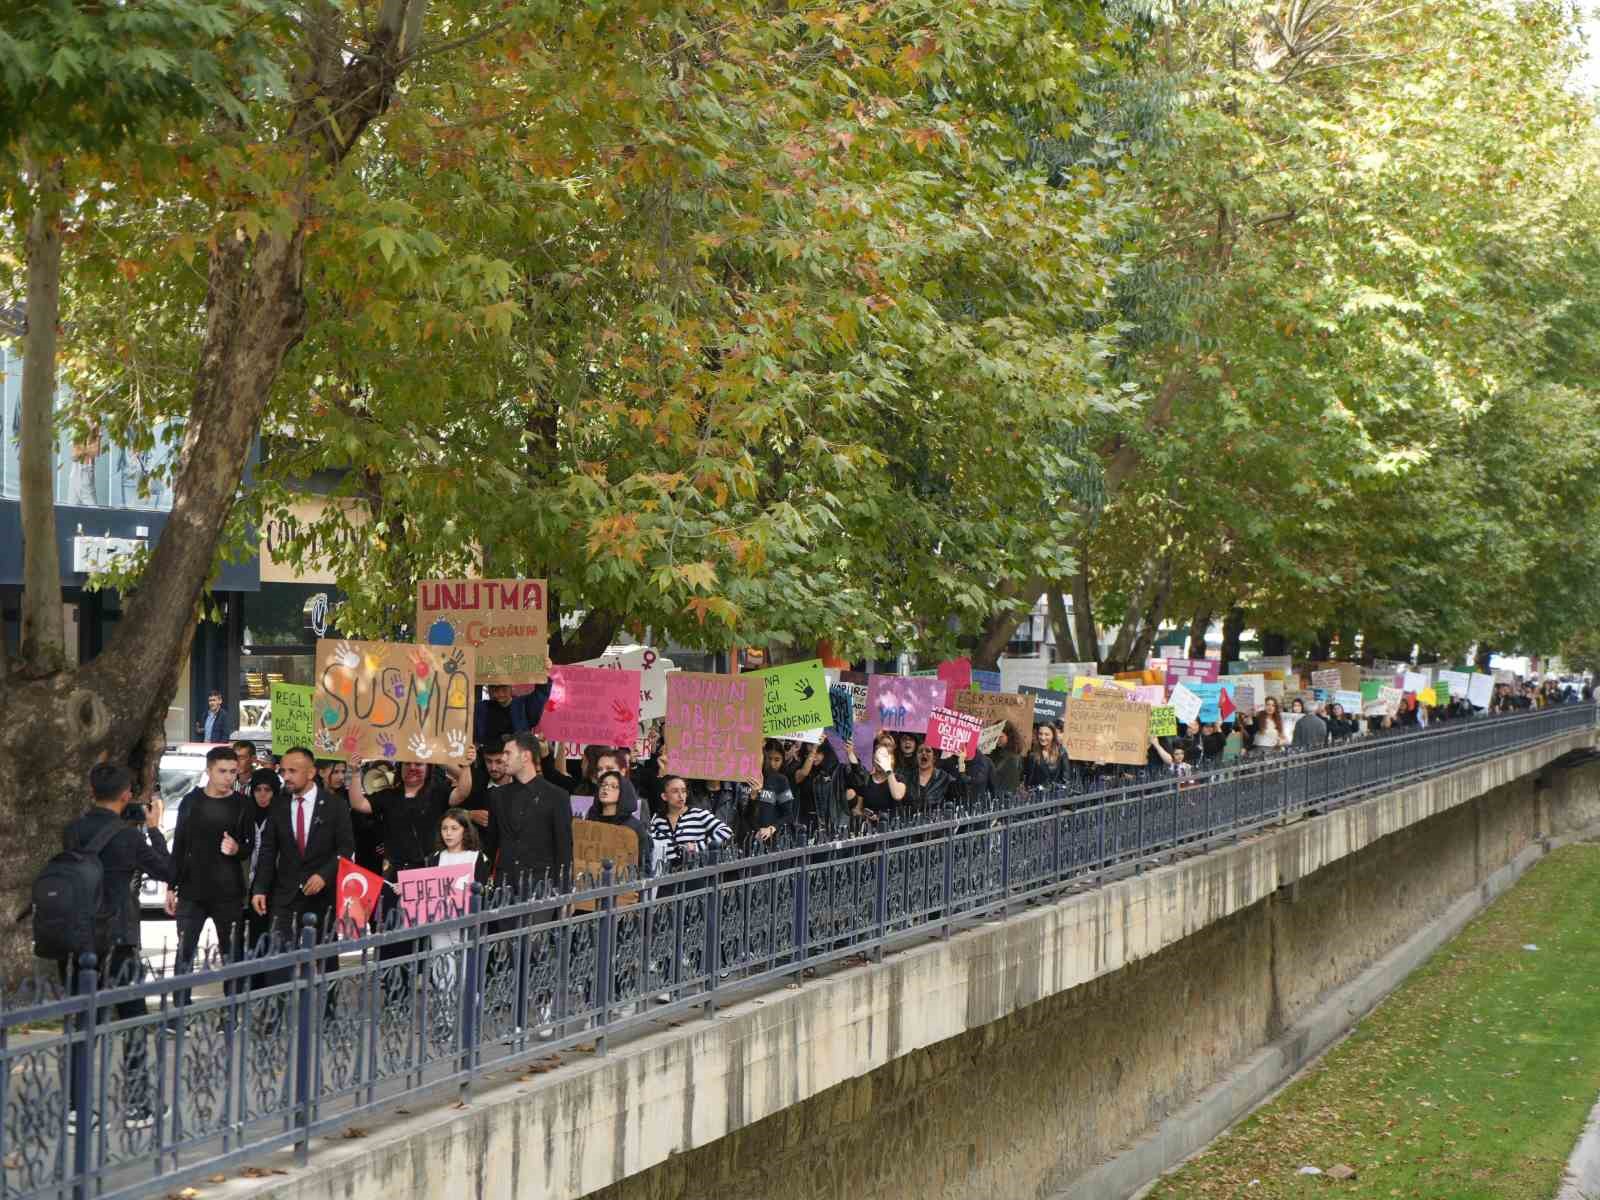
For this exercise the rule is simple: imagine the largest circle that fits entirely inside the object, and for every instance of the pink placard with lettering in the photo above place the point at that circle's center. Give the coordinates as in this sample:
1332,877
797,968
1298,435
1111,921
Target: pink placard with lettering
903,702
592,706
1149,693
954,732
434,893
1200,670
714,726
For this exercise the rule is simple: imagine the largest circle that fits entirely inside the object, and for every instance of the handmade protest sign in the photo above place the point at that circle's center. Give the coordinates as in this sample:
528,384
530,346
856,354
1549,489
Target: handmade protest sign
1459,682
1350,701
1163,721
1415,682
1441,693
986,681
1107,730
393,700
434,893
842,710
653,671
796,698
502,623
714,726
1071,670
292,722
591,706
1185,703
902,703
593,842
990,737
954,732
992,707
1017,672
1203,670
1210,700
1244,698
957,675
1047,705
857,683
1480,690
1150,693
1327,680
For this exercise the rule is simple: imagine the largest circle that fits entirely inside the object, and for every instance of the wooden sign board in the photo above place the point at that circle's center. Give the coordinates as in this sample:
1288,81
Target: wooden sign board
393,700
503,625
1107,731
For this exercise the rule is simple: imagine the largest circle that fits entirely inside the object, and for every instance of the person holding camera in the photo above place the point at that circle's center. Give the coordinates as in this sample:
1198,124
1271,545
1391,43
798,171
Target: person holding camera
127,839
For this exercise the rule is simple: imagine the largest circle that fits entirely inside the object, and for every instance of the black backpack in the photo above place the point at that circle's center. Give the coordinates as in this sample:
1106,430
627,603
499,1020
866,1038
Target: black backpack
70,915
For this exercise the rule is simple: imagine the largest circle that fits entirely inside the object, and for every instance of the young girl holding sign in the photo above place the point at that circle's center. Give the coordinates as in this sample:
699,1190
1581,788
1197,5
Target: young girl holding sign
458,846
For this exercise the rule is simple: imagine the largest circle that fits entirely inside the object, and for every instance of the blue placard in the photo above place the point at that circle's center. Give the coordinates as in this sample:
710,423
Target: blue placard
986,681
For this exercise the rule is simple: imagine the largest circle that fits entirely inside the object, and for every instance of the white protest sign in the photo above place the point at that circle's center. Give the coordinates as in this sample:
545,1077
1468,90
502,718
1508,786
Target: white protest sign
1017,673
1480,690
1185,703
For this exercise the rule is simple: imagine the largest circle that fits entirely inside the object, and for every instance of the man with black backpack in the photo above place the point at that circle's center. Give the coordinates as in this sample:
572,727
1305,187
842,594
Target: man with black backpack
83,902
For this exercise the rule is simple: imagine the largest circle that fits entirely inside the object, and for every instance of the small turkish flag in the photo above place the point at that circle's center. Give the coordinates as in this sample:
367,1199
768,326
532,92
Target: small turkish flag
356,894
1225,702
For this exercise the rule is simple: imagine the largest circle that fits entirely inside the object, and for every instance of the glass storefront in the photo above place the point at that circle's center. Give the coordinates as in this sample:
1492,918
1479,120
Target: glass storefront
280,639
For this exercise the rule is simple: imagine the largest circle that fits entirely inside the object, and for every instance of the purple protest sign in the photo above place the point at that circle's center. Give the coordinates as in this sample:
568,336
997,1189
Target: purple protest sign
714,726
903,703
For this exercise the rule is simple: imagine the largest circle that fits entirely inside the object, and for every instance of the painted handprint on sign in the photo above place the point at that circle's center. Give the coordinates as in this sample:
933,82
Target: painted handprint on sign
804,690
386,746
420,746
456,744
344,654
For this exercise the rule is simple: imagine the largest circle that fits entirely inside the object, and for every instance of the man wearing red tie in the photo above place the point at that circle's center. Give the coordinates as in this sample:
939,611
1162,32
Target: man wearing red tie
307,832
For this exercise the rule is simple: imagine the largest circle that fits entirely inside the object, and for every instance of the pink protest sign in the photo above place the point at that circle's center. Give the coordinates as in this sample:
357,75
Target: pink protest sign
1149,693
714,725
902,702
954,732
957,675
434,893
1200,670
592,706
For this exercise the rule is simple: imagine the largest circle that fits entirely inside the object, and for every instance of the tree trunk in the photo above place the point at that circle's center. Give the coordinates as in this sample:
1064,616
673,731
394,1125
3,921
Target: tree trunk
1083,612
1128,631
1152,624
40,649
55,727
1066,646
1198,625
1232,631
1322,648
998,629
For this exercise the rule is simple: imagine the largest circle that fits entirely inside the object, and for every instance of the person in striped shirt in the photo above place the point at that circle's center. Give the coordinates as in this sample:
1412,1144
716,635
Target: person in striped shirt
681,832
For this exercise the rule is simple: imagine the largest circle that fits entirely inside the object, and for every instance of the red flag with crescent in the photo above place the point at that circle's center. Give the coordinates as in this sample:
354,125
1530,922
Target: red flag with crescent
356,893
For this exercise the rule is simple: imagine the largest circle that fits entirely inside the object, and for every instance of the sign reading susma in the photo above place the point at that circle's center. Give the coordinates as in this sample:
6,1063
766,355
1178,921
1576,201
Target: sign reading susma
392,700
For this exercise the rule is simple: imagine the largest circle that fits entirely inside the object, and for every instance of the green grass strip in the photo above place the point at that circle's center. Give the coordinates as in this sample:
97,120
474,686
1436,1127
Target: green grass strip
1471,1081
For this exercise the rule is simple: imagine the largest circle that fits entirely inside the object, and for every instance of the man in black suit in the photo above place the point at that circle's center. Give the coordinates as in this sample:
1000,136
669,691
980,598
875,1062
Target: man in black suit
307,832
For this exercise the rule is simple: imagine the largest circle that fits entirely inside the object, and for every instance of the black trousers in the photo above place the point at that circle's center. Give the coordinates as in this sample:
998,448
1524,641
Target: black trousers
226,915
124,965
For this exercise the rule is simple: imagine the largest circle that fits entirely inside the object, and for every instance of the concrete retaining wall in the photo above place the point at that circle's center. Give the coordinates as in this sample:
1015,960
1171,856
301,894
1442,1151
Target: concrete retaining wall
1004,1062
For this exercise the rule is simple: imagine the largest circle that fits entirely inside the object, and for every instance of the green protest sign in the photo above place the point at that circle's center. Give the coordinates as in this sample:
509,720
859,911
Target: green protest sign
1060,683
1163,721
1441,692
1369,688
292,723
796,699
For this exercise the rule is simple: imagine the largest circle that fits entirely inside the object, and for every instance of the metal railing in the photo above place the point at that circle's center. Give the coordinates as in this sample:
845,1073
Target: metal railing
125,1091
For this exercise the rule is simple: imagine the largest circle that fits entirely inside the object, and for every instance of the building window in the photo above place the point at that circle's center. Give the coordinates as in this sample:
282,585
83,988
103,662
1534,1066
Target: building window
90,474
